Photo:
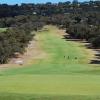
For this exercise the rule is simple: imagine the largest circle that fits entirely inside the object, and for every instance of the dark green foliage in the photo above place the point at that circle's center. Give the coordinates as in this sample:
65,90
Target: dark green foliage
17,36
86,26
96,41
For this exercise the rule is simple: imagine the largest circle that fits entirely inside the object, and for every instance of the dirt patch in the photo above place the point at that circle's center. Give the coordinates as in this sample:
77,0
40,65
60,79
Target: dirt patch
32,55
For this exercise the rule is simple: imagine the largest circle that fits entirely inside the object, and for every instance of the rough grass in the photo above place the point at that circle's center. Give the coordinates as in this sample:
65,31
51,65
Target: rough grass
55,77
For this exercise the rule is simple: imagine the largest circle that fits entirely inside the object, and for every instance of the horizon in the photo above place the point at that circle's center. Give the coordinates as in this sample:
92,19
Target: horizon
12,2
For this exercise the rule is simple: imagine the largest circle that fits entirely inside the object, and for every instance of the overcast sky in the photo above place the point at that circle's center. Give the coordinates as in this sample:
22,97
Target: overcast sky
33,1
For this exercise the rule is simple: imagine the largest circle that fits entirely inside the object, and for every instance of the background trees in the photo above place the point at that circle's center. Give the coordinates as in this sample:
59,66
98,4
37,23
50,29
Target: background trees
81,20
17,35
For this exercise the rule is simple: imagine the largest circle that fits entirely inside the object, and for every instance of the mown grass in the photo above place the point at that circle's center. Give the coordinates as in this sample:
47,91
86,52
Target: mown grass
3,29
12,96
59,76
51,84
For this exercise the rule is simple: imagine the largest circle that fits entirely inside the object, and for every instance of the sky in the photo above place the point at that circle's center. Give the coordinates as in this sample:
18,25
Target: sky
33,1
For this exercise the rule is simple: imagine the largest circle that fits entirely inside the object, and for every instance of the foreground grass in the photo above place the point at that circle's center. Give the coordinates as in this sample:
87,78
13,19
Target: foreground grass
13,96
55,77
51,84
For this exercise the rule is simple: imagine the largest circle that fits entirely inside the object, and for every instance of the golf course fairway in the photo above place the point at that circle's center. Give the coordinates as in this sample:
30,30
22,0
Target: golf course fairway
64,73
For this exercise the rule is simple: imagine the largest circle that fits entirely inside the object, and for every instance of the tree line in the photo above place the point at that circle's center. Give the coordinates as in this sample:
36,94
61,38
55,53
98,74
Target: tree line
80,19
49,8
17,36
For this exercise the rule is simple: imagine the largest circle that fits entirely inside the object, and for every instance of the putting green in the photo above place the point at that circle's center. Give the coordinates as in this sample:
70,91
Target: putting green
59,73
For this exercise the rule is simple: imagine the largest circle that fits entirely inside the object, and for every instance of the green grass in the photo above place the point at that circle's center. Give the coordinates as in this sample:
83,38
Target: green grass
3,29
51,84
54,77
45,97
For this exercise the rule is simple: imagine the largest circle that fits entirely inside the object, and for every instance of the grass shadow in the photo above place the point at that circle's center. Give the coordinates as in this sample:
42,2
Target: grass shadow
69,38
95,62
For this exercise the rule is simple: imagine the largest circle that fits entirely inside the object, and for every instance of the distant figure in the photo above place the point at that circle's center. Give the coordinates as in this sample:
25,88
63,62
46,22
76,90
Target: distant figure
75,57
68,57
